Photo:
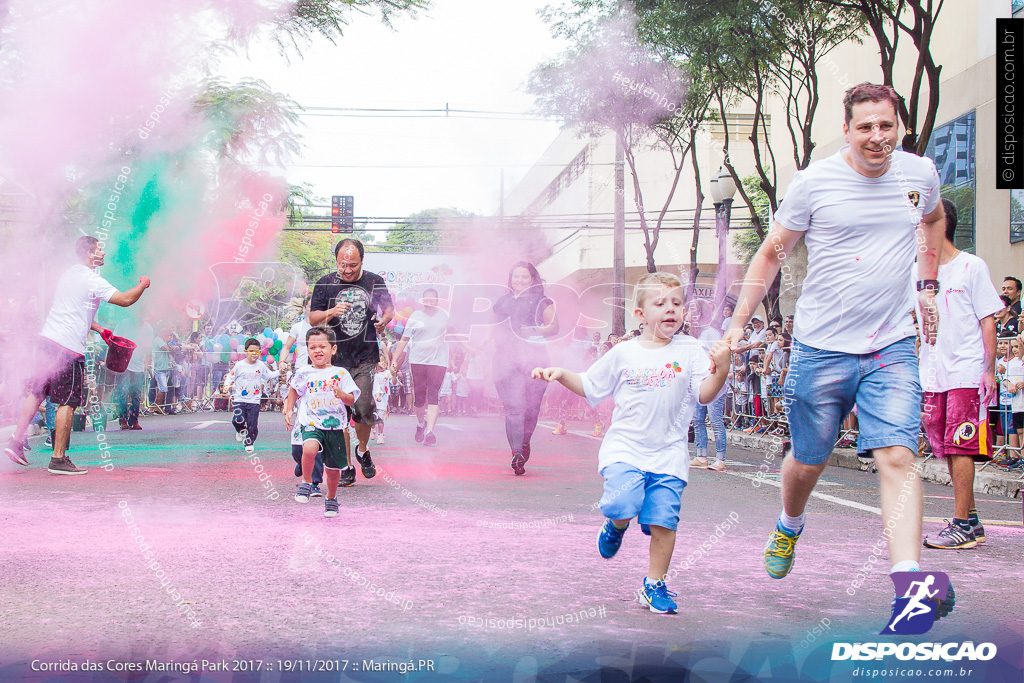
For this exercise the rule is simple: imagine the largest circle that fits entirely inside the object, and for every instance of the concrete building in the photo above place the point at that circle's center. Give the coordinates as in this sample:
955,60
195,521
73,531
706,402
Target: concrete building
570,191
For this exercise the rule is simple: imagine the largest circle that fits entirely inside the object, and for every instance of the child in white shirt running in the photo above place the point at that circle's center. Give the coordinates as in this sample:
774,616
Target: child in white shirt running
656,380
247,378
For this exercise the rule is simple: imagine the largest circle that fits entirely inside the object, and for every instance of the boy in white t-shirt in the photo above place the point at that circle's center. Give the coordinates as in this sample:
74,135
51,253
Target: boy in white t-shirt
381,397
246,381
323,391
657,381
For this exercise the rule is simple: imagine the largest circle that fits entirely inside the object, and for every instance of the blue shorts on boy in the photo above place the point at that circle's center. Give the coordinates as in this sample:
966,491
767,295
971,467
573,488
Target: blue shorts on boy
644,457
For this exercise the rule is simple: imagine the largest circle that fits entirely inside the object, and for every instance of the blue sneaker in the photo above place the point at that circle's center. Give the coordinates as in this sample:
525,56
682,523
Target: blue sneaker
609,539
302,492
315,492
780,551
657,597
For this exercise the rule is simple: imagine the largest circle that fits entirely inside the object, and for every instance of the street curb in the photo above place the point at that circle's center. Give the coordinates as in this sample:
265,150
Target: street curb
991,480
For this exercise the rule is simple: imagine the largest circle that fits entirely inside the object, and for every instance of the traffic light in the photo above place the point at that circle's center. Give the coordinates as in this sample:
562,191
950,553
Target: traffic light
341,213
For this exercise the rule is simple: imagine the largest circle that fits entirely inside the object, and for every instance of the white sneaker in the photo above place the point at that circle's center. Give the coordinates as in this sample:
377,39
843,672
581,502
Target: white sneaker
699,461
238,437
380,439
250,448
717,466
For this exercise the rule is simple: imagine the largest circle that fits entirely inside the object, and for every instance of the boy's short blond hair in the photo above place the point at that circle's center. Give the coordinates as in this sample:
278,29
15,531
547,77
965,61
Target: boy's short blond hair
648,283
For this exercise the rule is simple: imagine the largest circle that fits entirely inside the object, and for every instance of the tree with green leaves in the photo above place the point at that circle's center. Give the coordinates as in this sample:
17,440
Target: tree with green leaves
428,230
610,82
328,18
887,21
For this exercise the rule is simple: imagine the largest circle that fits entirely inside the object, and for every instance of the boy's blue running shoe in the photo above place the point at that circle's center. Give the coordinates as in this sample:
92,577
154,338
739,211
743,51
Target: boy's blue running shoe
609,539
302,493
780,551
657,597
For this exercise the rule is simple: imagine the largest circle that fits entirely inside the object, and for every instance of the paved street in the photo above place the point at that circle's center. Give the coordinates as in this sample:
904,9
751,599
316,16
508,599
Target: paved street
482,572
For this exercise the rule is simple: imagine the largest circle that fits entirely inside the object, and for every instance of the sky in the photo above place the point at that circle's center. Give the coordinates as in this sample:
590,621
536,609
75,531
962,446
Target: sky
466,54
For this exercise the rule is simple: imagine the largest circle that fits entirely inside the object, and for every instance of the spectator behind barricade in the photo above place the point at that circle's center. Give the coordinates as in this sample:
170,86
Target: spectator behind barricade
1011,289
1005,433
1014,384
1006,322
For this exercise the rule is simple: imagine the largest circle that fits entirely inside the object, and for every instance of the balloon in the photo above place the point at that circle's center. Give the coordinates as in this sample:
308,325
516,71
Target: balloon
267,332
399,328
217,347
234,344
225,357
407,311
235,356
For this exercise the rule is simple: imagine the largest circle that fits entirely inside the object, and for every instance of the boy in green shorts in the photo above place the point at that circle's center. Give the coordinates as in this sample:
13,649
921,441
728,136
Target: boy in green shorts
322,391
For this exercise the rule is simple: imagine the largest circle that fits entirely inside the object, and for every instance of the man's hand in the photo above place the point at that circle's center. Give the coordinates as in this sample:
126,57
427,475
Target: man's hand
379,326
988,389
106,335
547,374
929,322
733,337
144,281
288,420
339,310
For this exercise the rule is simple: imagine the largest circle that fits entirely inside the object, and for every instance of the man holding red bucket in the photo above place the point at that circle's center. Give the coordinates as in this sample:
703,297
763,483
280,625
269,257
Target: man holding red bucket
58,368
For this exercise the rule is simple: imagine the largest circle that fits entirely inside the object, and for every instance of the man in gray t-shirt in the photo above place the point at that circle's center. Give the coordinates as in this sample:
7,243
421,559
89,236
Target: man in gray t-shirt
864,214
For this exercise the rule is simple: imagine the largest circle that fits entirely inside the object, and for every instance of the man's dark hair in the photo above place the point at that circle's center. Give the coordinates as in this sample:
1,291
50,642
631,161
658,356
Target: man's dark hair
951,217
869,92
349,241
250,341
84,245
320,330
1013,280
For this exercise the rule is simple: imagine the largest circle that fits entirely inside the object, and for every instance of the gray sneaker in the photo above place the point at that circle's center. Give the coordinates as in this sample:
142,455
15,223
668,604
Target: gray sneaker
330,507
303,492
64,466
315,492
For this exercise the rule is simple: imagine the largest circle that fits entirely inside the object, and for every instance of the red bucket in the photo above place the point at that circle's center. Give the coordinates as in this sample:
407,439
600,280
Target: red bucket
119,352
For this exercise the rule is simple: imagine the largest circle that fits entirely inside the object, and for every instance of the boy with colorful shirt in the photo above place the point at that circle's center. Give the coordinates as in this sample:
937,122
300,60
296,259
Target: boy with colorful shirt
323,392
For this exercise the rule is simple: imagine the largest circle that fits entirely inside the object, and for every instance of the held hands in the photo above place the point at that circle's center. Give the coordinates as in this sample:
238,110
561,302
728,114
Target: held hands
719,353
547,374
733,337
929,316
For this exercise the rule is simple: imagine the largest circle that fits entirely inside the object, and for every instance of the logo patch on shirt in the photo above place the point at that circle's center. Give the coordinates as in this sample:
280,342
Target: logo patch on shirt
914,196
647,379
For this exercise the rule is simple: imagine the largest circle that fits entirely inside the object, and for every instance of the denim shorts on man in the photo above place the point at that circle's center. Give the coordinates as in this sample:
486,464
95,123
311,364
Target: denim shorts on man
630,492
823,386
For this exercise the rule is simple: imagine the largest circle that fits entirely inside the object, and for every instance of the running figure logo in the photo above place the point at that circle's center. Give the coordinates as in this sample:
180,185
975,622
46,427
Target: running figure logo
914,612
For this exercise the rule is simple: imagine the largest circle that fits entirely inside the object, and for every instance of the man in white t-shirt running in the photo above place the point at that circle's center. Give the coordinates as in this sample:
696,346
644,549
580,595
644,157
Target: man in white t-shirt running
958,377
58,370
864,213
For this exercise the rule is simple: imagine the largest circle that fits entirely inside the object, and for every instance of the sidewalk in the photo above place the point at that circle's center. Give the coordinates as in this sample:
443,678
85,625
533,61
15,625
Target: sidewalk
991,480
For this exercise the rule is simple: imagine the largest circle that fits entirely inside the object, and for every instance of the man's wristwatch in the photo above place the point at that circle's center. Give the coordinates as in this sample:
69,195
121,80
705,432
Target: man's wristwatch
933,285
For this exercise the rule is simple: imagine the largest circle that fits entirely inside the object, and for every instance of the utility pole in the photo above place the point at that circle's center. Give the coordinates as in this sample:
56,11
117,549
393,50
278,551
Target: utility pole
619,242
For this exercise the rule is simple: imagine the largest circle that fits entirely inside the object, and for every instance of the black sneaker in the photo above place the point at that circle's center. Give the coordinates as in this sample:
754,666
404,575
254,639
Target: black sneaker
298,469
16,452
365,464
49,442
64,466
24,444
348,476
953,537
419,432
429,439
315,492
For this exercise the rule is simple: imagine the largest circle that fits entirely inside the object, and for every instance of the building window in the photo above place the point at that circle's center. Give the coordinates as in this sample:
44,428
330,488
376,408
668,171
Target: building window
1016,216
952,147
562,181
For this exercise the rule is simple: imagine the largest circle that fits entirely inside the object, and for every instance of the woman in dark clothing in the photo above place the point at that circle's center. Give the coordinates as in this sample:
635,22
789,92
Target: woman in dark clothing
526,319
